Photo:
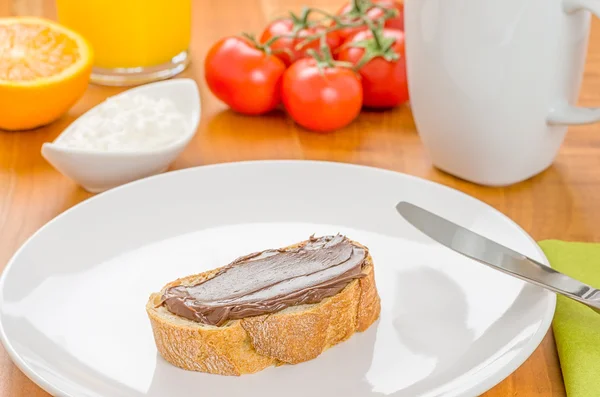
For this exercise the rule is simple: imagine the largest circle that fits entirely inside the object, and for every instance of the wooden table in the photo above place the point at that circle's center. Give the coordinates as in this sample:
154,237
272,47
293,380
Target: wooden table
560,203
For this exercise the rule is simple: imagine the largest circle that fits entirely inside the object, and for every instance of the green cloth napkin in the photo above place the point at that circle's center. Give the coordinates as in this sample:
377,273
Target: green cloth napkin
577,328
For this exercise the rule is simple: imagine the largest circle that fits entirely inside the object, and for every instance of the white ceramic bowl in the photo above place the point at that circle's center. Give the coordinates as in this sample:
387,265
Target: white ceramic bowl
97,171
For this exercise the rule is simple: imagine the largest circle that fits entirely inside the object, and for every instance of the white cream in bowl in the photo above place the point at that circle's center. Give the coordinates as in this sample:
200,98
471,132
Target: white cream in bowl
126,123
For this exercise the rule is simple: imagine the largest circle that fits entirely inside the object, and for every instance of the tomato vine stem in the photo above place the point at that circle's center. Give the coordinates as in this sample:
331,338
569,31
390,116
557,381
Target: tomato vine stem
355,18
377,46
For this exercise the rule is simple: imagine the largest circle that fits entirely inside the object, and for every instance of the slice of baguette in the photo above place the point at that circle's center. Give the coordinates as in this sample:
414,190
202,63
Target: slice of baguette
290,336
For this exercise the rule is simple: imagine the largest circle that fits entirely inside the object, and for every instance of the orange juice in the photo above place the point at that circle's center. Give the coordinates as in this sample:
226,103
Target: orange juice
130,33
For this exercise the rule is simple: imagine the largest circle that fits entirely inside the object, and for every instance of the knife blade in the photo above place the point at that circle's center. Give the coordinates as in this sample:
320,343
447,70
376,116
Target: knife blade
483,250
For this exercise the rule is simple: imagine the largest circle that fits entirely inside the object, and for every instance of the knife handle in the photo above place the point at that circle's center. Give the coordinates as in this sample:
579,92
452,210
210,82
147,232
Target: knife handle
548,278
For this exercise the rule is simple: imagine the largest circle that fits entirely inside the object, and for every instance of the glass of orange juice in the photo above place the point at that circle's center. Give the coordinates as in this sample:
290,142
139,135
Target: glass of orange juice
134,41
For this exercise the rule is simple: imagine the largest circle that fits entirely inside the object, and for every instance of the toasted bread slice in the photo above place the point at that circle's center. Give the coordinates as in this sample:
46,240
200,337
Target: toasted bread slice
290,336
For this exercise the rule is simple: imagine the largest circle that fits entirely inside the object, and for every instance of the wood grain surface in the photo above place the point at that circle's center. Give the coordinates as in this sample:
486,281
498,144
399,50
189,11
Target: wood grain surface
561,203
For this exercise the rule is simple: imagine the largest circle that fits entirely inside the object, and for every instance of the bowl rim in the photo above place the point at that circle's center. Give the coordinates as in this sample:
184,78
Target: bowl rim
193,119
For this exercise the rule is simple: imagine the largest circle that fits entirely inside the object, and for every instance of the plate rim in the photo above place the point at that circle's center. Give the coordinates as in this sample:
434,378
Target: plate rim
498,374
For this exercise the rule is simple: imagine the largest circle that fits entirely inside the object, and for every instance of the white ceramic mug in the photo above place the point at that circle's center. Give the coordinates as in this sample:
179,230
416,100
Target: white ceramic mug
493,82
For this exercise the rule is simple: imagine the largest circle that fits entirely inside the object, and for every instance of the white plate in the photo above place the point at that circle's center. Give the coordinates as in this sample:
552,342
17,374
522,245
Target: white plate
72,298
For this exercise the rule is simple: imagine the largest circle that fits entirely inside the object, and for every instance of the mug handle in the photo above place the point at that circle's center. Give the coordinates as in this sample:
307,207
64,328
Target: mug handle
566,114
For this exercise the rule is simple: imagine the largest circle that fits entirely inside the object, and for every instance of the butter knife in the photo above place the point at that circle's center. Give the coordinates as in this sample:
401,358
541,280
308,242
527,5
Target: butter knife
494,255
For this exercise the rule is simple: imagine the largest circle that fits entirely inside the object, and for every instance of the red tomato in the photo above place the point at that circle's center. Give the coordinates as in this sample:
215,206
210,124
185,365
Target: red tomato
286,47
374,14
321,99
384,81
243,76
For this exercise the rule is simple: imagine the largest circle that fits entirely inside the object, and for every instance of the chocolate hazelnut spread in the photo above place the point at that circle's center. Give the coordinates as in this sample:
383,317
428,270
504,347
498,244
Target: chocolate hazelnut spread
270,281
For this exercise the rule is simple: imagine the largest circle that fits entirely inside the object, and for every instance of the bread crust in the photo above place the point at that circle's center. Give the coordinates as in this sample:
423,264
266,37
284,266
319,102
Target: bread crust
291,336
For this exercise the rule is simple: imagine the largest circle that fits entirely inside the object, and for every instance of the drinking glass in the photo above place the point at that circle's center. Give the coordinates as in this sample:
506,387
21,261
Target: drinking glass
134,41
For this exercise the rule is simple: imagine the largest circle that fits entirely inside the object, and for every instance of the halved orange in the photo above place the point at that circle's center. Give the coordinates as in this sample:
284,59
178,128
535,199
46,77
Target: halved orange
44,69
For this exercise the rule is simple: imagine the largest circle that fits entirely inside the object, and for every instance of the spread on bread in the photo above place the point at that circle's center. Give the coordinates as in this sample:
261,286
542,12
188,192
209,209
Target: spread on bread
269,281
274,307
